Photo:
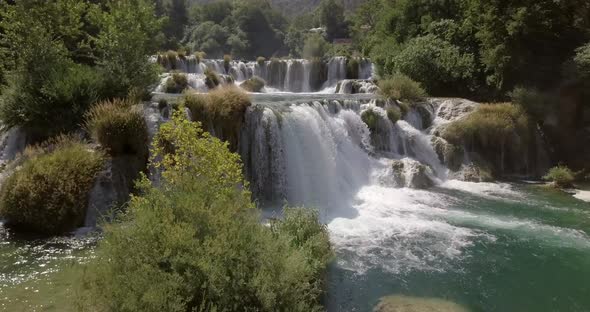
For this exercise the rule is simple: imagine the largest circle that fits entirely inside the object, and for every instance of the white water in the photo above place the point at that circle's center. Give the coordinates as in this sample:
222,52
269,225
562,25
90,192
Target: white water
320,154
289,75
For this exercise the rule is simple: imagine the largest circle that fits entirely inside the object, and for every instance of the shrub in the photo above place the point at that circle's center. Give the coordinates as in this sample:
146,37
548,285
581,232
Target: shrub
47,104
118,127
200,55
211,79
260,60
394,114
315,46
402,87
370,118
352,68
254,84
227,62
196,243
176,83
49,193
561,176
439,65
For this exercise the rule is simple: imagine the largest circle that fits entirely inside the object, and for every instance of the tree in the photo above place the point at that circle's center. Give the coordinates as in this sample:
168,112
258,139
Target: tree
332,17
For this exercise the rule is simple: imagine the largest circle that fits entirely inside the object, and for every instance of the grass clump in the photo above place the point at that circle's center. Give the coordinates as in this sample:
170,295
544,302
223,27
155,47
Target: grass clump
227,62
394,114
260,60
49,193
212,80
196,242
561,176
401,87
176,83
254,84
370,118
199,56
118,127
223,108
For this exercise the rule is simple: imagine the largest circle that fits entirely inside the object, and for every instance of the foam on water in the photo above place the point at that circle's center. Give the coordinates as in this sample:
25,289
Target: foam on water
483,189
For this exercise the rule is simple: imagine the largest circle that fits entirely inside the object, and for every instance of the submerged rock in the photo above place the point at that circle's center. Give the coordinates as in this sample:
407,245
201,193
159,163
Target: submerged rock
473,172
400,303
408,173
354,86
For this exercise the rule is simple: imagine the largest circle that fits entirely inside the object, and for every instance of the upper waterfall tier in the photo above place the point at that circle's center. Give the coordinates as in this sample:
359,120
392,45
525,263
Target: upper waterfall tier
287,75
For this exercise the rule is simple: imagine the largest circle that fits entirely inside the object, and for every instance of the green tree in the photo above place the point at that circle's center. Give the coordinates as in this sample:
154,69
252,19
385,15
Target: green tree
331,15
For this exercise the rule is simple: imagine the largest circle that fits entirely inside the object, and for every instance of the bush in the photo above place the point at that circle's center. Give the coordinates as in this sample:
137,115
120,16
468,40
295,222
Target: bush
370,118
49,193
439,65
394,114
118,127
315,46
196,243
561,176
47,104
254,84
401,87
211,79
177,83
260,60
200,55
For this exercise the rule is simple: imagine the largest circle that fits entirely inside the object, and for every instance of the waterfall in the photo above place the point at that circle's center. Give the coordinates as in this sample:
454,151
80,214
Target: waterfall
320,153
287,75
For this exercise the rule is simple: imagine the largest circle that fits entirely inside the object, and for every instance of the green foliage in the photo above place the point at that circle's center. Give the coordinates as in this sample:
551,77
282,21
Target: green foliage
315,46
437,64
119,127
401,87
254,84
260,60
200,55
394,114
561,176
72,53
535,103
196,243
211,79
370,118
49,193
331,15
176,83
582,61
125,42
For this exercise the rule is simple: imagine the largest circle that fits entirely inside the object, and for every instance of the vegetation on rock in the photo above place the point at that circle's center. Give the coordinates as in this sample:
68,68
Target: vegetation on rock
561,176
176,83
119,127
254,84
197,242
48,194
401,87
370,117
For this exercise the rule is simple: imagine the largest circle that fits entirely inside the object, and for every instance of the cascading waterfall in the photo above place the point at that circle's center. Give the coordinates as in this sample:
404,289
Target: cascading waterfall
287,75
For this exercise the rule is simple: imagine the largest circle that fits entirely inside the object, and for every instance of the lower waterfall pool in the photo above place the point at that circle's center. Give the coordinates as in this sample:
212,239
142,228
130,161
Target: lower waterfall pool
485,247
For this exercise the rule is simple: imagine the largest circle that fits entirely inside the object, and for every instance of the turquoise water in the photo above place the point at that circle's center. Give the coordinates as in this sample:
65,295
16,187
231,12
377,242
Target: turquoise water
489,247
528,249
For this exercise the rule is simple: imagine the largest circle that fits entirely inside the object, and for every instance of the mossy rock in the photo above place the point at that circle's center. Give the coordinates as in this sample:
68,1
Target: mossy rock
400,303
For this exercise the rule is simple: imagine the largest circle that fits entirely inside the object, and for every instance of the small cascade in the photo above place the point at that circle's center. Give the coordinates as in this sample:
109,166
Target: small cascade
336,70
